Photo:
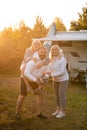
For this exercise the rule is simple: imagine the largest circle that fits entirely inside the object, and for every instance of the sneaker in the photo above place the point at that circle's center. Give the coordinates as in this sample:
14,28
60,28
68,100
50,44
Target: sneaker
55,113
17,116
60,115
41,116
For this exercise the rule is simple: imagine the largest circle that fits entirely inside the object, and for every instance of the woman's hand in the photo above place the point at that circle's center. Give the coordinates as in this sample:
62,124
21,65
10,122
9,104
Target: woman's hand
34,59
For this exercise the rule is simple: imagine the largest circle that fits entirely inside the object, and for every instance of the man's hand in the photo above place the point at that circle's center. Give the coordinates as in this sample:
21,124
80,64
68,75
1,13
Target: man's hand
38,82
48,73
39,65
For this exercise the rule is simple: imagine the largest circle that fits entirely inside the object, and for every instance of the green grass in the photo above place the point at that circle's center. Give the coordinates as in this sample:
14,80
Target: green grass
76,109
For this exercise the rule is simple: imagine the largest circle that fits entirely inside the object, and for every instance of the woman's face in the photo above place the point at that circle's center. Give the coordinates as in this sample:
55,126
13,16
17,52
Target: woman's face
36,46
54,52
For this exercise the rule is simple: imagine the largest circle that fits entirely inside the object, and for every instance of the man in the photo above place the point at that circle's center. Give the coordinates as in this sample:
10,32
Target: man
33,74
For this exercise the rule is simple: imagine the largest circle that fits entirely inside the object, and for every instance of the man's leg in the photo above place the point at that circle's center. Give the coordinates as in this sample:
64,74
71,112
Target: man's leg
22,95
40,103
19,103
38,91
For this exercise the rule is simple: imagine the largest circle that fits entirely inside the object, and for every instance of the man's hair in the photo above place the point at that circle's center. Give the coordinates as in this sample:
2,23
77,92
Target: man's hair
42,48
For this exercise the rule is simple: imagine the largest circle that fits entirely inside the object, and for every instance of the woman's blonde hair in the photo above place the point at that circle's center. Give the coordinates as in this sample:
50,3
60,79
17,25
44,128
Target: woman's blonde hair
60,55
34,41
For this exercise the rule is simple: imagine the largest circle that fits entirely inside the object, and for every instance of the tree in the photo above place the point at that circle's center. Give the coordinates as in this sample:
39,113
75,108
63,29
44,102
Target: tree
59,24
39,29
25,35
81,23
13,43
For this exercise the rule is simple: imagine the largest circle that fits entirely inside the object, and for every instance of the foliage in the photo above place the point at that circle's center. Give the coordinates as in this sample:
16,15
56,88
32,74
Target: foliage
13,43
39,29
59,24
81,23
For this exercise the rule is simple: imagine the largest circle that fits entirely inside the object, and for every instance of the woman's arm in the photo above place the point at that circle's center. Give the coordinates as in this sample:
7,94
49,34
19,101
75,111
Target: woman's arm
60,70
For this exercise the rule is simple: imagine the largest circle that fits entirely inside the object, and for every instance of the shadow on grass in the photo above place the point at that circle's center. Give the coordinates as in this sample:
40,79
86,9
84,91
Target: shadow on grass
51,123
30,124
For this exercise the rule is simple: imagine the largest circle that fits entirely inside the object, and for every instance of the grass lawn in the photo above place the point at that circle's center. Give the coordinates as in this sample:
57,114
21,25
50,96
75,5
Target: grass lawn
76,109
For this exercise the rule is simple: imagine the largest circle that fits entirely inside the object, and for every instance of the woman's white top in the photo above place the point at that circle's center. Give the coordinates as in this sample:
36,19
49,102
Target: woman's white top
58,70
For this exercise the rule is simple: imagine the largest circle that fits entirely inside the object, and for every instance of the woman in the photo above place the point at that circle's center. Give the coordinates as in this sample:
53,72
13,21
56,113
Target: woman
36,44
58,72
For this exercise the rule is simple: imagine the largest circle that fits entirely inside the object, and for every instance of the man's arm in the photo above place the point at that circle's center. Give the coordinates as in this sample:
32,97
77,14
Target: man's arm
28,71
42,63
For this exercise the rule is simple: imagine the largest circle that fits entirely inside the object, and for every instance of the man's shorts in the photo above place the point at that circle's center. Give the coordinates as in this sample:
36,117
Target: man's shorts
23,87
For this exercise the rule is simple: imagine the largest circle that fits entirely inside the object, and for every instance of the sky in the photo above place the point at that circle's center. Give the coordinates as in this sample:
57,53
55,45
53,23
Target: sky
13,11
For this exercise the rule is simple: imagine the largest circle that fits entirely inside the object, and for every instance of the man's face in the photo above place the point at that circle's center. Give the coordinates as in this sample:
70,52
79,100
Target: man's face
42,53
